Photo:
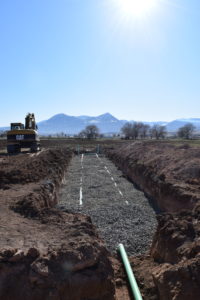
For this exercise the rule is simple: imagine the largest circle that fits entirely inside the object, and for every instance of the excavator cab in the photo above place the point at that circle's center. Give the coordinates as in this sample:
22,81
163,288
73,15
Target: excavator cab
16,126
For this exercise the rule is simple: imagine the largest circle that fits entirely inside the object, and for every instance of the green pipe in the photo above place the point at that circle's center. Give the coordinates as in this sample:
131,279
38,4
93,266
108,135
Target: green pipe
131,277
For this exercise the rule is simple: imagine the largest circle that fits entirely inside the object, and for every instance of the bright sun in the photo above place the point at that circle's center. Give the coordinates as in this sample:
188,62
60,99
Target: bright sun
135,8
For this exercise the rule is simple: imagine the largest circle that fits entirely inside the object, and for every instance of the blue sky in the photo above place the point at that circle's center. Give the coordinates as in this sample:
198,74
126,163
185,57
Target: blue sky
85,57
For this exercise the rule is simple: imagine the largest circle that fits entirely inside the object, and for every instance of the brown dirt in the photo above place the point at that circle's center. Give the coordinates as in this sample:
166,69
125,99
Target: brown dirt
50,254
170,174
57,255
142,267
176,248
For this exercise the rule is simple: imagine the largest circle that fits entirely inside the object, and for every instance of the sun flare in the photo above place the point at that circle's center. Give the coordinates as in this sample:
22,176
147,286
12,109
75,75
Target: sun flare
135,8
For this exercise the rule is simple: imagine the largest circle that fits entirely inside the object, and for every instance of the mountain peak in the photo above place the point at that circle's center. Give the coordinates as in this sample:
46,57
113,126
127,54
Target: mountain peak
58,116
107,117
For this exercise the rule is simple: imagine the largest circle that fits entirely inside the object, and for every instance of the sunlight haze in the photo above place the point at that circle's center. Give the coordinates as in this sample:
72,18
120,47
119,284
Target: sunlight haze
135,8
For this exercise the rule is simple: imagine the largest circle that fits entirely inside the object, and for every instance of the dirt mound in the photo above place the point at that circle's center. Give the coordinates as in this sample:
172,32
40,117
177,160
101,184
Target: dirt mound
167,173
61,258
176,248
48,253
26,168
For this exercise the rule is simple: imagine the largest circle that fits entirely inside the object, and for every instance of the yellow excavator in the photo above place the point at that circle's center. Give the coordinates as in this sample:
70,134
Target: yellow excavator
20,136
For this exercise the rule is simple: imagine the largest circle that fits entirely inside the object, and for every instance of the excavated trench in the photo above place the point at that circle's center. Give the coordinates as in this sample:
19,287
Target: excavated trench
121,213
93,186
168,174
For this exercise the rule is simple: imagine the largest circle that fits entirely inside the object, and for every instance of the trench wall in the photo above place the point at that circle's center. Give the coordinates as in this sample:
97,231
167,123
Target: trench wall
170,175
45,253
151,168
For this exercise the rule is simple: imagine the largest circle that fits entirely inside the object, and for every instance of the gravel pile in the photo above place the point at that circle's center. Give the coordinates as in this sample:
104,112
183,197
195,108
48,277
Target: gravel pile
121,213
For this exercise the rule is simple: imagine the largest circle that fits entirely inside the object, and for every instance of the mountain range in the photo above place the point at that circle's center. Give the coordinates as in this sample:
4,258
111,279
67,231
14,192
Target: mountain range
73,125
106,123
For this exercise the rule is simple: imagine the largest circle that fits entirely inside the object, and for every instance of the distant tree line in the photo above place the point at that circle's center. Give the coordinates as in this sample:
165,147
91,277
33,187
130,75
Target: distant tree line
135,130
140,130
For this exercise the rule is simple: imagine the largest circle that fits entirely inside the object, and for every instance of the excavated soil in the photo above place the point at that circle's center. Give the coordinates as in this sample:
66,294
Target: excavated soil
170,175
167,173
46,253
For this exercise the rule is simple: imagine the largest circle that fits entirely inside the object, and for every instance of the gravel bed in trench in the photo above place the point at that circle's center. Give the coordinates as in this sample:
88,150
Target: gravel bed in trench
95,187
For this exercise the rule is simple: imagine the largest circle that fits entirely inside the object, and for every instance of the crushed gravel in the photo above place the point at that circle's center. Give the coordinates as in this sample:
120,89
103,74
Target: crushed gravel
121,212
